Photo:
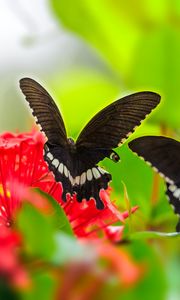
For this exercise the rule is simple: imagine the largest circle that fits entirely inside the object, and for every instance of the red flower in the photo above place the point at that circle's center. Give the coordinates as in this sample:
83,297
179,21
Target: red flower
11,268
21,162
87,221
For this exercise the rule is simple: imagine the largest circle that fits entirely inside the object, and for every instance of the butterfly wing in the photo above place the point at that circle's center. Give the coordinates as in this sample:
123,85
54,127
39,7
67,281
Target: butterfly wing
113,124
173,194
106,130
45,111
91,178
162,152
164,155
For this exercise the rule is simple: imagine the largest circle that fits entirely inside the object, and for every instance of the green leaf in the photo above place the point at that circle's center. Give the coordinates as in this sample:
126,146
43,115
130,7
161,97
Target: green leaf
58,216
103,25
156,54
139,41
39,229
43,286
38,232
173,266
153,282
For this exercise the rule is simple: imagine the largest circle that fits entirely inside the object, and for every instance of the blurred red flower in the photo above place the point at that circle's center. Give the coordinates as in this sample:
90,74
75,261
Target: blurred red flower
11,269
121,263
22,164
89,280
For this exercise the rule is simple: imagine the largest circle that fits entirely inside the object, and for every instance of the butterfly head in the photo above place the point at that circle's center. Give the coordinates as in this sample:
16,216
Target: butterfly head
72,144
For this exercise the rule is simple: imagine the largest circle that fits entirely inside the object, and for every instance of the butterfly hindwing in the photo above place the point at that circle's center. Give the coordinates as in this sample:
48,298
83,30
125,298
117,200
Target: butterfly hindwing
94,180
78,173
174,190
164,155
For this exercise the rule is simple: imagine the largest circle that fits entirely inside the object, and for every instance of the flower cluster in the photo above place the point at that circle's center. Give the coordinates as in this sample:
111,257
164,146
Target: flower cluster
22,166
10,265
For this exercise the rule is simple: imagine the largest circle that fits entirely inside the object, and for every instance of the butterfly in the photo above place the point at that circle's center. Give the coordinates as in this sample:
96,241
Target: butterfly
74,164
164,155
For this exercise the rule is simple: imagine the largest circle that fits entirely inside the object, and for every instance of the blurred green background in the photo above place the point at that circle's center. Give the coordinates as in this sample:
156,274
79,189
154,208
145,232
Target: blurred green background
87,54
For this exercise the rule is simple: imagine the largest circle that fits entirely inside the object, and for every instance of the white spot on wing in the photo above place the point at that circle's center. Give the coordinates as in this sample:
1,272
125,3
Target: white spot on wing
50,156
71,179
65,171
172,188
176,194
102,171
129,133
60,169
96,173
77,180
122,142
83,178
55,162
89,175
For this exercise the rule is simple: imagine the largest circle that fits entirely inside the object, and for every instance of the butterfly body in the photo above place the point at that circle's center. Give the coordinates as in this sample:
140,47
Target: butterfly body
75,164
79,175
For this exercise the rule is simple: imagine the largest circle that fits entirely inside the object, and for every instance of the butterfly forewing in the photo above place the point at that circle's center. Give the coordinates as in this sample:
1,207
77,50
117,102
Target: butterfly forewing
45,111
113,124
164,155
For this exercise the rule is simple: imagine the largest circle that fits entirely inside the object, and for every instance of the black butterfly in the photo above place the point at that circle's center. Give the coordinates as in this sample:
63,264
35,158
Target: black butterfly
75,163
164,155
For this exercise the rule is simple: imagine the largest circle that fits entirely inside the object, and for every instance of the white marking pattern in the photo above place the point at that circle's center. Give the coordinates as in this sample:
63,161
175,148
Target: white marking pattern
55,162
89,175
176,193
95,172
83,178
172,187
